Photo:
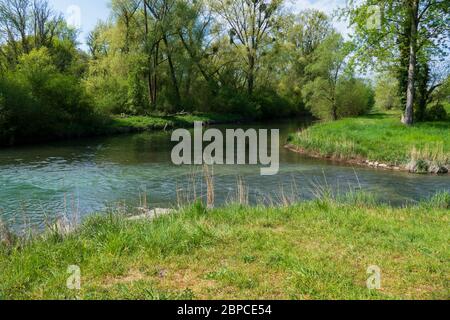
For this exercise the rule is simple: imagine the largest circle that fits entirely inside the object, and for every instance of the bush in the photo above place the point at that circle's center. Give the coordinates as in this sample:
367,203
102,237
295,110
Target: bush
17,111
39,102
108,82
437,113
230,101
270,105
386,93
354,98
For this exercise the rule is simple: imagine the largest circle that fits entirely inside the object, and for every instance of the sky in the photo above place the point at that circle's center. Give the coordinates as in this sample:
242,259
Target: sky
90,12
86,13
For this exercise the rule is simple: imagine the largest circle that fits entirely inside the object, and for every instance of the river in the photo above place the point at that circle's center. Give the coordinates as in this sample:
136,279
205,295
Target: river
41,182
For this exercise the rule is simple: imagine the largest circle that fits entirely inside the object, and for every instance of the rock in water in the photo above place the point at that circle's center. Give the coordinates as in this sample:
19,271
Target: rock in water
437,169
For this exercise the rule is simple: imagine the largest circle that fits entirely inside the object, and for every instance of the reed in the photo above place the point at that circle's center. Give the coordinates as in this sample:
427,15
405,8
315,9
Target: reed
209,180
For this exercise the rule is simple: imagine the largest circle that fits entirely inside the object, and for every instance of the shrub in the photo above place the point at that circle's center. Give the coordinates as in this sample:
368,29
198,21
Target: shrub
270,105
386,93
436,113
354,98
39,102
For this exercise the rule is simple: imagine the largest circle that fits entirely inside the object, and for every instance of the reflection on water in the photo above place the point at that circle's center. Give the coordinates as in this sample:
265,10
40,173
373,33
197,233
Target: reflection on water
39,182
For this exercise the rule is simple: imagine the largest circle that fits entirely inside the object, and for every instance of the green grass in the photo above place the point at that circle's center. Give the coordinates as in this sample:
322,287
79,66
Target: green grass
379,137
313,250
140,123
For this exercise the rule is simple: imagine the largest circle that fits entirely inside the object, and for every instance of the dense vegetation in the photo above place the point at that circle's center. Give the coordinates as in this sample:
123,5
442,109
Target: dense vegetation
167,57
405,40
252,58
312,250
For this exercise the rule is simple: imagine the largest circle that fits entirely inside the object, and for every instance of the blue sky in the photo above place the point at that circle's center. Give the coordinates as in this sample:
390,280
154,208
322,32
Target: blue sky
94,10
91,11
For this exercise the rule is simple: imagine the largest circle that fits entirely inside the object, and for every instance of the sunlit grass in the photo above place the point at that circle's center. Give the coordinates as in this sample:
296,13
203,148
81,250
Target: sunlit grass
156,122
379,137
313,250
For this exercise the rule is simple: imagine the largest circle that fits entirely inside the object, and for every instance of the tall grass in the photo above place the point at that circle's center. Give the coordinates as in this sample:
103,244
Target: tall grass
379,138
311,250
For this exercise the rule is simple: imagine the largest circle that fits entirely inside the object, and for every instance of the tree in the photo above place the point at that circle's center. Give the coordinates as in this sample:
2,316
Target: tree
386,92
124,11
45,23
329,62
354,97
14,19
301,34
162,12
249,25
27,24
195,22
407,28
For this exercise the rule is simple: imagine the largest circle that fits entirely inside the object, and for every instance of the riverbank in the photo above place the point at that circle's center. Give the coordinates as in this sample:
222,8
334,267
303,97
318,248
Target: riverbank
154,123
379,141
313,250
114,125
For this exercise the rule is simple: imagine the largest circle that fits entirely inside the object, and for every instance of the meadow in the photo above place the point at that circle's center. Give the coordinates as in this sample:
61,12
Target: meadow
378,138
320,249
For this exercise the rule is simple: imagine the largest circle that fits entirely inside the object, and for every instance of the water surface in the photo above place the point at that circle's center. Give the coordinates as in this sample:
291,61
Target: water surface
38,183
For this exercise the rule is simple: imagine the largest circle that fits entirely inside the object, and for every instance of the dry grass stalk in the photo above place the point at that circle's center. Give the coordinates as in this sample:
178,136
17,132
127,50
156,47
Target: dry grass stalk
209,180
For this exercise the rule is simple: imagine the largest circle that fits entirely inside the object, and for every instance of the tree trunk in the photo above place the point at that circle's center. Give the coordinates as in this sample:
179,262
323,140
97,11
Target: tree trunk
251,75
196,60
334,110
422,92
408,117
149,73
173,75
154,97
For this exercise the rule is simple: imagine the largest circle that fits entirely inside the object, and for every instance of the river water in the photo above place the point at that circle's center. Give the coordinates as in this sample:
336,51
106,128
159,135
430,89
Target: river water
39,183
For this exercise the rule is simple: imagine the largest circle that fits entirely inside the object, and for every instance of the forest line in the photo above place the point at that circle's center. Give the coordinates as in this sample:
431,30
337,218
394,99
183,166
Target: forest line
251,58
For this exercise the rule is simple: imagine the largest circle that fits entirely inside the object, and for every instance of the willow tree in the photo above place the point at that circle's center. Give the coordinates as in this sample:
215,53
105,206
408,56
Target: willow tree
383,27
27,25
329,63
124,11
161,13
249,24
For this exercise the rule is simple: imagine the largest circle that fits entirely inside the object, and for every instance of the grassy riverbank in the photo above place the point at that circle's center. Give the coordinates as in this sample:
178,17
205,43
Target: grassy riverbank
379,139
110,125
142,123
313,250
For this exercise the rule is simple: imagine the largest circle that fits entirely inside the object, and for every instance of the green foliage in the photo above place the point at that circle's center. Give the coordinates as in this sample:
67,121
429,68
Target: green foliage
436,112
377,138
107,82
442,94
354,98
40,102
270,105
333,92
386,93
176,56
179,61
391,34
